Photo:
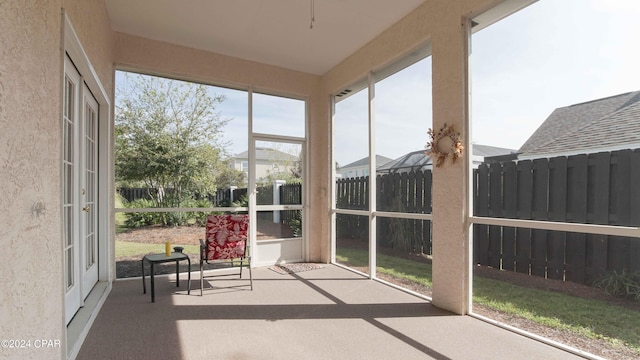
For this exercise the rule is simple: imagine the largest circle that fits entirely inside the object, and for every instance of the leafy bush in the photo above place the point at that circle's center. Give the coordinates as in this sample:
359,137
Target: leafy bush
296,224
140,219
622,284
198,218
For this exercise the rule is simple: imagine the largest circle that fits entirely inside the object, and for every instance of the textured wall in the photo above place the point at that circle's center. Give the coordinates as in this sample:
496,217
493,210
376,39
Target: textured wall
32,295
31,299
91,23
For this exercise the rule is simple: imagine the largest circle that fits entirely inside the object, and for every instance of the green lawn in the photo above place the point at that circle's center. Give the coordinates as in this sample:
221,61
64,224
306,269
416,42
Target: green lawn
590,318
126,248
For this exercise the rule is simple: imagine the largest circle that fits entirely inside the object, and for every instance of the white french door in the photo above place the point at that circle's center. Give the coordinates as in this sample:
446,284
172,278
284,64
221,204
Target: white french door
88,193
278,169
80,177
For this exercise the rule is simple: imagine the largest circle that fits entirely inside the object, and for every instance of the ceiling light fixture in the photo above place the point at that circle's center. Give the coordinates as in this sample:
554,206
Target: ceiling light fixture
313,13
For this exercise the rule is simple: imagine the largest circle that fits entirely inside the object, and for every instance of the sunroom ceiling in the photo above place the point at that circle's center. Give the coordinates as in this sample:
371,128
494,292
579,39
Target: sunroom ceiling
275,32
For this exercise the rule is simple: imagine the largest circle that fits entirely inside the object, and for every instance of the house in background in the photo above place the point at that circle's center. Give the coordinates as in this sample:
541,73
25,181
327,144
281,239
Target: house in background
607,124
360,167
417,160
268,162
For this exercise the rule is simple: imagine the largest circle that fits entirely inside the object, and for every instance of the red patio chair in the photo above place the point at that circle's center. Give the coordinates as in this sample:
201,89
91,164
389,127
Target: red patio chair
225,244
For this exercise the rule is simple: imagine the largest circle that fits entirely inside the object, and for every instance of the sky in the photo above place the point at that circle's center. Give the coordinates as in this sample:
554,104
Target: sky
552,54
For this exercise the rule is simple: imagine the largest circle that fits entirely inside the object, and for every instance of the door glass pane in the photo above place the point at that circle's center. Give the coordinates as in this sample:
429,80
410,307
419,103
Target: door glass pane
278,172
279,169
69,223
279,224
69,261
68,179
278,115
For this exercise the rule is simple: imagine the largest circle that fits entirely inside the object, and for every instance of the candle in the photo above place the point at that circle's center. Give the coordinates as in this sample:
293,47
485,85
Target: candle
167,248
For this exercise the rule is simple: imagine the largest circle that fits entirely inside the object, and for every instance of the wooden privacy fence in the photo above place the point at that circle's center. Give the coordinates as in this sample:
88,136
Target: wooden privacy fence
602,188
222,197
399,192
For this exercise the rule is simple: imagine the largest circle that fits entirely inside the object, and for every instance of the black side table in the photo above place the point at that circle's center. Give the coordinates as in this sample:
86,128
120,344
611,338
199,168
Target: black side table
162,258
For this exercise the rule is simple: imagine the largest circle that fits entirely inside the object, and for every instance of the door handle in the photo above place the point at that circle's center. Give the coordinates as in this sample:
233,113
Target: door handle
86,208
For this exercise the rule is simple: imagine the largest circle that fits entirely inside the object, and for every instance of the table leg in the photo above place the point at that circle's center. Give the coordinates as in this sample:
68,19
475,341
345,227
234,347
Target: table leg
177,273
189,276
144,283
153,289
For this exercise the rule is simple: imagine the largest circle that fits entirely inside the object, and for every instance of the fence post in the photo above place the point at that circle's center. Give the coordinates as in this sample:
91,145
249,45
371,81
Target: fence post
276,199
232,189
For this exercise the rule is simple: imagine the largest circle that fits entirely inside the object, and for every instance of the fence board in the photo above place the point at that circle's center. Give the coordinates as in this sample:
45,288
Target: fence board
634,209
481,235
495,210
510,202
598,196
540,196
577,191
426,235
557,212
523,211
620,204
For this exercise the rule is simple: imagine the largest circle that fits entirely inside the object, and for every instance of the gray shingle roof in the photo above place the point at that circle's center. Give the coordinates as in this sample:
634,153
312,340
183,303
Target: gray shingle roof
594,124
416,160
267,154
413,160
380,160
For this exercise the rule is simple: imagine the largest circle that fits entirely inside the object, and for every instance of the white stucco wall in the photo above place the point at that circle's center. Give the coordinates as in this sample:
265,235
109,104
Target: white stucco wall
31,299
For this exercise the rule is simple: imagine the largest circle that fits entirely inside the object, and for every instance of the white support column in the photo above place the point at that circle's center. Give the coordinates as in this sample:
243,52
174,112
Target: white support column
276,199
451,241
372,176
231,189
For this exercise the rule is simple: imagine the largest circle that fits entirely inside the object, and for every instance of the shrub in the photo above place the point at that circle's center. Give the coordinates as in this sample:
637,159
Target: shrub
296,224
622,284
140,219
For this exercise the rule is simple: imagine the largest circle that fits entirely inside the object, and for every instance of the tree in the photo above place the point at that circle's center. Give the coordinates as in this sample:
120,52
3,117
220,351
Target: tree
168,138
231,177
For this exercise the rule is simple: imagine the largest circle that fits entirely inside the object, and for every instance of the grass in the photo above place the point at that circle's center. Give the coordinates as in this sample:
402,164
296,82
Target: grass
415,271
126,248
589,318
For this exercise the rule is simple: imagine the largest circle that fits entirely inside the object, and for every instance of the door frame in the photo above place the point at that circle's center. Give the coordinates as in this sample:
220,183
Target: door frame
89,214
70,202
78,328
254,208
253,137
